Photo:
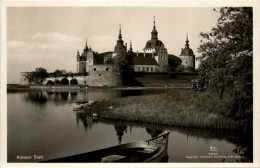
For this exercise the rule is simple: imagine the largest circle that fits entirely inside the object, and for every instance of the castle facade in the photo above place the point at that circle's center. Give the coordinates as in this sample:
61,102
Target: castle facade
154,58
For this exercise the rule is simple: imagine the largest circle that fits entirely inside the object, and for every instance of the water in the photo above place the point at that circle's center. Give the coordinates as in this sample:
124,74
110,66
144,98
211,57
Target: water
42,125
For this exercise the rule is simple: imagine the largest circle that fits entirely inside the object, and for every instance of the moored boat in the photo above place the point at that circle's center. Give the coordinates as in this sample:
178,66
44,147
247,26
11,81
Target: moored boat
152,150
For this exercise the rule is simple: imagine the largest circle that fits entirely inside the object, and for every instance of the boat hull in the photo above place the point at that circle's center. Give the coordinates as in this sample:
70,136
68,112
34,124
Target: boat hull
154,150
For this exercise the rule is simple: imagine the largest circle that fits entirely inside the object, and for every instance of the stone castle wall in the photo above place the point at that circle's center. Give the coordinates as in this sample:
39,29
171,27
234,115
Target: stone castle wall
188,61
82,67
23,79
99,75
163,59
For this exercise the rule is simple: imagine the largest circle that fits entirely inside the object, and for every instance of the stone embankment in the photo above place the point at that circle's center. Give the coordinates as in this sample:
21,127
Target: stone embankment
58,87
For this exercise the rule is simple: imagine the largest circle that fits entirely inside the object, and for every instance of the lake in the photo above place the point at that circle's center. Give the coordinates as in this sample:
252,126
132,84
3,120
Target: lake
42,125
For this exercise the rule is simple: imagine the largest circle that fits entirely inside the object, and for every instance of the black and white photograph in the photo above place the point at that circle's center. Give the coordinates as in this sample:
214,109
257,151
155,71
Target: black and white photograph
129,83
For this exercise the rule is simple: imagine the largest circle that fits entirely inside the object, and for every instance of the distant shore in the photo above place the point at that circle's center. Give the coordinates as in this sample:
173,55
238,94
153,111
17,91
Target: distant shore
138,81
24,88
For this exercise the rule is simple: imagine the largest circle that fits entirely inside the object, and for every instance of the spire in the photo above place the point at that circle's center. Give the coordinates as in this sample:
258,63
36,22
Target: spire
120,35
154,23
130,49
78,56
86,47
154,31
187,41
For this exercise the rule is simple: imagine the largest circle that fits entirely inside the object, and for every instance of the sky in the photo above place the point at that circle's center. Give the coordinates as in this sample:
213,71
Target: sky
50,37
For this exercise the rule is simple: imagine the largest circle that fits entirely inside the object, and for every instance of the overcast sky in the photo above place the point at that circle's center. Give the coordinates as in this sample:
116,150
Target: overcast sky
49,37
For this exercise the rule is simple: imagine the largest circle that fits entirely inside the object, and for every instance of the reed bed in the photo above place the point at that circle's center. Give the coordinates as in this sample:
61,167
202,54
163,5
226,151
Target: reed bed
184,108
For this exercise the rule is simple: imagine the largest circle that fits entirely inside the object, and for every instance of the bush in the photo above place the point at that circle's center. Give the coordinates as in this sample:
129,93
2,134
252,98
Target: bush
56,81
74,81
50,82
64,81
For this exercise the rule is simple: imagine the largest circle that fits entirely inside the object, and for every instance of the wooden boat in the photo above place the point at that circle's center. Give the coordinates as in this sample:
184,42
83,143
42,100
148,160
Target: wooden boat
152,150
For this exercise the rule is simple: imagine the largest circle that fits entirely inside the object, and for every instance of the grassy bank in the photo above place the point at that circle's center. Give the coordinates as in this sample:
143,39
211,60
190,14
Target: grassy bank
17,88
162,80
175,107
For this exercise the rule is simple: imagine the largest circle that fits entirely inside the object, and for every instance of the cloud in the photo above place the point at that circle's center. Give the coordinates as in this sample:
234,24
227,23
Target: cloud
43,42
49,50
102,43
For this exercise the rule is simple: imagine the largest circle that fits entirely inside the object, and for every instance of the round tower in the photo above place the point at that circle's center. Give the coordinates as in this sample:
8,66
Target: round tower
120,47
187,57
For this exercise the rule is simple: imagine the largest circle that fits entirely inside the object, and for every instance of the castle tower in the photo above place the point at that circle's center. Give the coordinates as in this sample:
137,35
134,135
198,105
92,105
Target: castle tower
120,47
90,59
82,60
162,59
153,45
187,57
154,32
86,46
130,51
78,60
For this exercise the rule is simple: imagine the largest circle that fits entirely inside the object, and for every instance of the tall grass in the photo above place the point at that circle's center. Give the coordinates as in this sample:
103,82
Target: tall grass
165,80
175,107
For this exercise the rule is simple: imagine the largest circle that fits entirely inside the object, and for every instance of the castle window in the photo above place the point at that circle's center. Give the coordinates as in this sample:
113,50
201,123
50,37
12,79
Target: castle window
186,62
107,69
95,69
99,74
151,69
118,75
147,68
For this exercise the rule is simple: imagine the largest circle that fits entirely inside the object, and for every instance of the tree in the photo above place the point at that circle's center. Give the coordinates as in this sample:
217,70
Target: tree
227,54
179,68
110,61
50,82
57,73
74,81
70,74
56,81
65,73
64,81
125,63
30,76
40,75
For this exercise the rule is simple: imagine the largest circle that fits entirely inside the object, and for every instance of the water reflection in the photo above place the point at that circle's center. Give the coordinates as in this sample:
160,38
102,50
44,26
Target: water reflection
154,132
86,121
95,94
243,147
120,130
37,97
38,119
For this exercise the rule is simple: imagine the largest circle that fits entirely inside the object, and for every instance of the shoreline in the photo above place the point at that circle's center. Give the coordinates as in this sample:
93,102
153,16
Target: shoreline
69,88
181,108
177,106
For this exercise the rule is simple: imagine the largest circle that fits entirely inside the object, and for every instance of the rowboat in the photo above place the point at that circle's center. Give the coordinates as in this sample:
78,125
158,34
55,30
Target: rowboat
152,150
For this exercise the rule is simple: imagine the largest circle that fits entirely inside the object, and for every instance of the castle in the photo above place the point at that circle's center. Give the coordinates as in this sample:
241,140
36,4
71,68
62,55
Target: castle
154,57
